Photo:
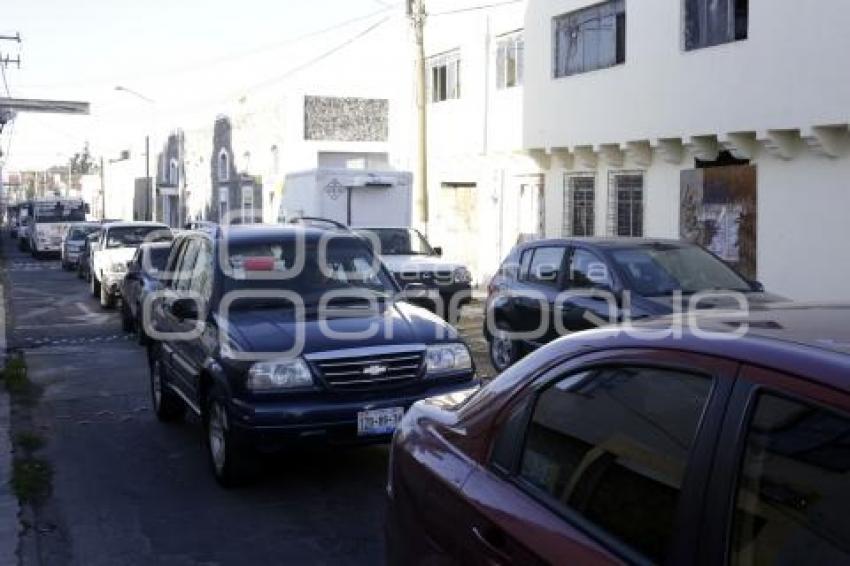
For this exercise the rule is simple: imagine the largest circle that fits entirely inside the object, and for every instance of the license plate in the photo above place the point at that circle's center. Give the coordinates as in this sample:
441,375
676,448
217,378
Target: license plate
379,421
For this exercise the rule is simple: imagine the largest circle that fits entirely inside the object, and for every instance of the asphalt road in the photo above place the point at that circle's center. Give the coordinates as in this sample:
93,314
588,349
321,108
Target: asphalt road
129,490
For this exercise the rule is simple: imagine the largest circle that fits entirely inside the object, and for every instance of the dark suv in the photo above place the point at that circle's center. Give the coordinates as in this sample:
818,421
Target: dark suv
547,288
281,334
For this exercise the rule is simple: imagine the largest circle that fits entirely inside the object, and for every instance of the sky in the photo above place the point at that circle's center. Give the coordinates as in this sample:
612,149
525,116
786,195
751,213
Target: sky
184,55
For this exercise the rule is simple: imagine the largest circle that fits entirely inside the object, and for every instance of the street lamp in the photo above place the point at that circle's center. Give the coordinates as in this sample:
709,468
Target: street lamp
152,103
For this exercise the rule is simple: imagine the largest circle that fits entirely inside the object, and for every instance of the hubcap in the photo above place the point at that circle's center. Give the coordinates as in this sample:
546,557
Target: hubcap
503,350
217,428
156,384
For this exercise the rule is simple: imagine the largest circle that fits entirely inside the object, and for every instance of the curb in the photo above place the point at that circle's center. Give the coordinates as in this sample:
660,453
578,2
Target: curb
9,508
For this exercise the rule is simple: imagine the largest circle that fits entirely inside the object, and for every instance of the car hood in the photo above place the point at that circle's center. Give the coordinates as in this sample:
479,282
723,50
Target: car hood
277,330
665,305
418,263
116,255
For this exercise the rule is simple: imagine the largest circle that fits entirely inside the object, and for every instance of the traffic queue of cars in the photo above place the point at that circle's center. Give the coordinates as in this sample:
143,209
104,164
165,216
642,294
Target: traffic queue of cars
717,435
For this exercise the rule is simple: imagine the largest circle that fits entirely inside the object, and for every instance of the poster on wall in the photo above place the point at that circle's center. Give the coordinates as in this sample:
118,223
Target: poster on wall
718,210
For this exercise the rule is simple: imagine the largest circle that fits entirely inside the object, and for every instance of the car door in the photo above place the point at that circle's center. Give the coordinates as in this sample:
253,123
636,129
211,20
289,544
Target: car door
177,329
132,282
780,486
540,285
602,460
588,300
194,351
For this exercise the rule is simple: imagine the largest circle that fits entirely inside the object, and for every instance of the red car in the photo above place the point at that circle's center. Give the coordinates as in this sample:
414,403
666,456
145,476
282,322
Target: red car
608,447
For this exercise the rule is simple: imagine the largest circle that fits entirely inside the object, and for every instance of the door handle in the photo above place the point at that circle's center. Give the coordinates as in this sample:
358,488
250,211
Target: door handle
491,546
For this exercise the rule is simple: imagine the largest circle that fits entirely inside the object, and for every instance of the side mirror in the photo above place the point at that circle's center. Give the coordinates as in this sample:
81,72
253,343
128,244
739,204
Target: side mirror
438,251
185,309
757,286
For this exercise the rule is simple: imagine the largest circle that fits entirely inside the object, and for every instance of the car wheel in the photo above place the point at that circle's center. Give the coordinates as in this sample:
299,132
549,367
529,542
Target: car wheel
167,406
504,352
231,464
107,299
126,317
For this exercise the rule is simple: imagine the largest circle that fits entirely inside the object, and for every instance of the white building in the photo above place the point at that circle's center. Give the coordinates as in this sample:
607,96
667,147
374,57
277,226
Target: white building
347,107
722,120
485,194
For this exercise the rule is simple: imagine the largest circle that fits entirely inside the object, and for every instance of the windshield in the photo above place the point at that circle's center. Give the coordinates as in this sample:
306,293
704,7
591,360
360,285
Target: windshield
659,270
53,212
348,267
134,236
80,232
158,257
400,241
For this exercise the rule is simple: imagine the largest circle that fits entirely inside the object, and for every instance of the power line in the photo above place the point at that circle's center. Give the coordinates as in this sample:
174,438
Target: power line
321,56
194,66
475,8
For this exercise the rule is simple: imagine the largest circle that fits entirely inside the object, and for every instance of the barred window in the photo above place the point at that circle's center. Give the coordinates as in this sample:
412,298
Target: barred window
591,38
579,206
509,61
714,22
626,214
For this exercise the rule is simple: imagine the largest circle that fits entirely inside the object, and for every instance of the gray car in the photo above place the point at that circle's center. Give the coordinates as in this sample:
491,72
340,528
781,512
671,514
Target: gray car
73,242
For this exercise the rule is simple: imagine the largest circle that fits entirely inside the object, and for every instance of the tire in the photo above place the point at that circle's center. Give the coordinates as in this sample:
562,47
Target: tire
503,351
94,285
231,463
126,318
167,406
107,299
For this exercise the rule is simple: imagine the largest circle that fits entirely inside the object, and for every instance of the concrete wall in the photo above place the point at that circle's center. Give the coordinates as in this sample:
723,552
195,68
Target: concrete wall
791,72
778,99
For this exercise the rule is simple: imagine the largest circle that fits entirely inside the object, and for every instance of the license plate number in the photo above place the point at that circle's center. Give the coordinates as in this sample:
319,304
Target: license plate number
379,421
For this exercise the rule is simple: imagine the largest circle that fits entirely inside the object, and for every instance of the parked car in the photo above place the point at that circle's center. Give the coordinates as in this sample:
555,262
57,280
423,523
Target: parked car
84,261
73,242
144,276
607,447
536,278
412,259
342,388
117,244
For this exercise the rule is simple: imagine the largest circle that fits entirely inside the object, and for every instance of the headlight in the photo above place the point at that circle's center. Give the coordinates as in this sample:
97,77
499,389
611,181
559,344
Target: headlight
118,268
443,358
462,275
285,374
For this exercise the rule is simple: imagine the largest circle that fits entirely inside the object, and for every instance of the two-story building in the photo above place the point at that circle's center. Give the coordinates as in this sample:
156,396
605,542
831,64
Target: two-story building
485,193
721,121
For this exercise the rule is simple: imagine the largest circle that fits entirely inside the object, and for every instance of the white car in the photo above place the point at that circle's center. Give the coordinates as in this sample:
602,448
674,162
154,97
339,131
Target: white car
446,285
117,245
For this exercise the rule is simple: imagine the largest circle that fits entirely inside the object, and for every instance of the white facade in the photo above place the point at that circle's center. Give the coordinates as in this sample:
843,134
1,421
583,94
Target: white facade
483,191
779,98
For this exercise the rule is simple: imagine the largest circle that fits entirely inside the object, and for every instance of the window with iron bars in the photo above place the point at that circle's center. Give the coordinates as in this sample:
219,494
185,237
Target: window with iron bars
625,204
579,205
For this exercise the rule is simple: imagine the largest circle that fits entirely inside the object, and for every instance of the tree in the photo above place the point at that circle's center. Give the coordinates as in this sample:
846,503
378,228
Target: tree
82,162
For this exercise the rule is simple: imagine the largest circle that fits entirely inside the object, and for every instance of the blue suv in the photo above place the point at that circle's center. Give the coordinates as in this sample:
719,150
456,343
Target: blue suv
276,335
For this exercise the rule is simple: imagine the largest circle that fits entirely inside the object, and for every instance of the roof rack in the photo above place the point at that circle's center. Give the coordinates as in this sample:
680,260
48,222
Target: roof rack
317,221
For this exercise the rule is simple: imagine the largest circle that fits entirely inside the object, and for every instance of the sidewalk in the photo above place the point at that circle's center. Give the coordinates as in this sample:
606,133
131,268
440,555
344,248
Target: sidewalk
9,524
8,502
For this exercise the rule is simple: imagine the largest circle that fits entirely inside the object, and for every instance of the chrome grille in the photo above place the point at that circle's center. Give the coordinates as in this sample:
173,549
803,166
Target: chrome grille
370,372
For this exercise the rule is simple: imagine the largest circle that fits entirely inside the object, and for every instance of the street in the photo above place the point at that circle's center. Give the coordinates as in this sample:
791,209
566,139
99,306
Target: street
130,490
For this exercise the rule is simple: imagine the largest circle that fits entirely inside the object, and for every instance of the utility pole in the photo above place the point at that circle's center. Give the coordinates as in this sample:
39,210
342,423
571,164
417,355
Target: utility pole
416,13
102,191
